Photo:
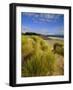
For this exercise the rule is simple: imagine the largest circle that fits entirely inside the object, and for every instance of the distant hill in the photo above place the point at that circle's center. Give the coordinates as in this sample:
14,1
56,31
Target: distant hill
32,33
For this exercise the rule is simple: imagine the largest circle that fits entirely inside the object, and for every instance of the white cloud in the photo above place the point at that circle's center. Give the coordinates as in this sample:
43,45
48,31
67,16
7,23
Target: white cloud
43,17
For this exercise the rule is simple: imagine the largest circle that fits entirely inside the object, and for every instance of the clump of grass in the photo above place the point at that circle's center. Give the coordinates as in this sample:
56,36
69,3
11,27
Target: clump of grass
59,48
27,45
38,59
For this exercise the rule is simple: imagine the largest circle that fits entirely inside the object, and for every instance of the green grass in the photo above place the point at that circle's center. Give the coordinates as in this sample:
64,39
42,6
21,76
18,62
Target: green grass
59,48
38,59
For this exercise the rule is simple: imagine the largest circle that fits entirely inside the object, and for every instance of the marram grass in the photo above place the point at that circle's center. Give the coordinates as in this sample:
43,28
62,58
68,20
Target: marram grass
37,57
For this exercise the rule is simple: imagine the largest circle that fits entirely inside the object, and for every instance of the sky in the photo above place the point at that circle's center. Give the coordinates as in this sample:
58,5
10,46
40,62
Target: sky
42,23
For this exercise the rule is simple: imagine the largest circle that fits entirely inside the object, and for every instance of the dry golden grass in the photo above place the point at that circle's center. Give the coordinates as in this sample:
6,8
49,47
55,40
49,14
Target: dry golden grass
38,58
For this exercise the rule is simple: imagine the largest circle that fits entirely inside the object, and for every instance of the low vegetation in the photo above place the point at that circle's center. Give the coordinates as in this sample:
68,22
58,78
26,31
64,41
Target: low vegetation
59,48
38,59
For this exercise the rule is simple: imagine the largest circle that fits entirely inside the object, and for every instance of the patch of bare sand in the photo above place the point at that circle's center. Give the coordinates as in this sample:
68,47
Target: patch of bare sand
59,65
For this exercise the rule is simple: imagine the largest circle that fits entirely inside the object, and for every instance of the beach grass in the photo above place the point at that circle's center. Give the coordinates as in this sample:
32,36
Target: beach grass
40,58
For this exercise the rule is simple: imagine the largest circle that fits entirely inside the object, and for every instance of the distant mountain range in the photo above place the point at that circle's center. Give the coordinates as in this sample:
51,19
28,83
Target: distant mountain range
32,33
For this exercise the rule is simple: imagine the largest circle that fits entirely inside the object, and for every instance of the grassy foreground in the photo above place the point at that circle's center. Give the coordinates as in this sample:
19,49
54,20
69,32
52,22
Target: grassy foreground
39,58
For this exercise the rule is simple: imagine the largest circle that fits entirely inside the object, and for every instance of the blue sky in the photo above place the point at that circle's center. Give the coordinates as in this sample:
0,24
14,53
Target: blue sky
43,23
